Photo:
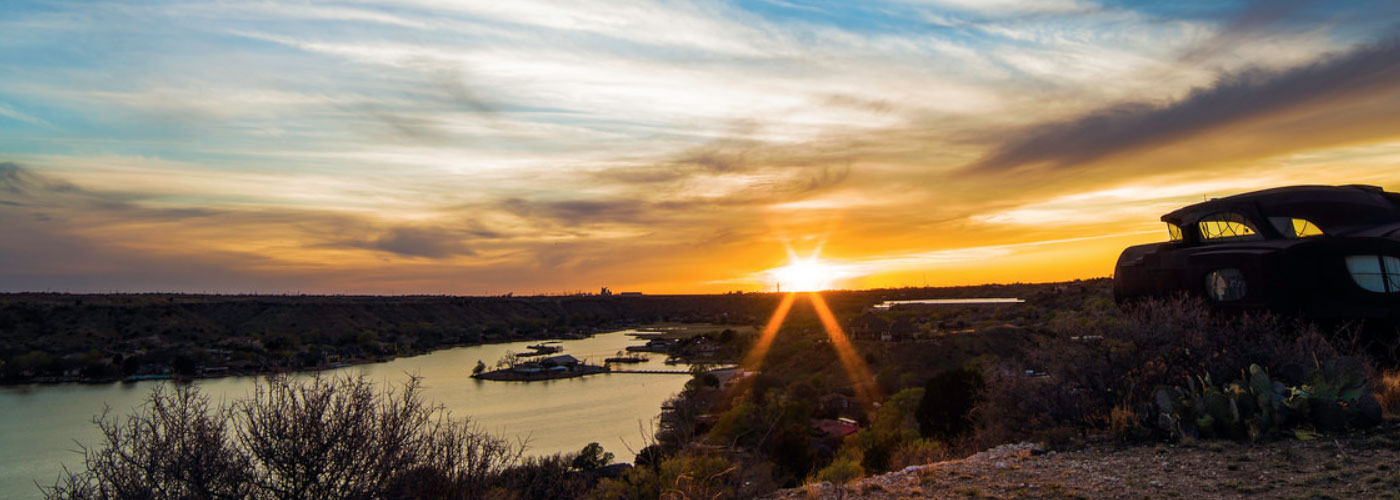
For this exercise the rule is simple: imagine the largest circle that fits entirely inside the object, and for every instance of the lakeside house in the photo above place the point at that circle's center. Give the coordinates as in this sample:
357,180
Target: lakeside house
727,376
869,326
655,345
839,428
562,362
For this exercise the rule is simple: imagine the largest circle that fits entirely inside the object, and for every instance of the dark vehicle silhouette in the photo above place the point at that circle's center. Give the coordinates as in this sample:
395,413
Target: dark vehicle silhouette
1325,252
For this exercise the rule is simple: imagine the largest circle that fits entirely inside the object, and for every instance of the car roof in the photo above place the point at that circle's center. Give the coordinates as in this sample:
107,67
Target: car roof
1326,206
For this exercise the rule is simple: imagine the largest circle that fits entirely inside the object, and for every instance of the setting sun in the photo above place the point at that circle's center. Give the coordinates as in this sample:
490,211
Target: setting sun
805,275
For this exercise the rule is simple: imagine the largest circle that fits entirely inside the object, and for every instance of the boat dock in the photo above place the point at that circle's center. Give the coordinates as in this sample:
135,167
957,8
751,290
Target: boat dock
655,372
675,372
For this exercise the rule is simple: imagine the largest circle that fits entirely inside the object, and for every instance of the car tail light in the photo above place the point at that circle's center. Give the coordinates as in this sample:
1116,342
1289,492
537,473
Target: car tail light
1376,273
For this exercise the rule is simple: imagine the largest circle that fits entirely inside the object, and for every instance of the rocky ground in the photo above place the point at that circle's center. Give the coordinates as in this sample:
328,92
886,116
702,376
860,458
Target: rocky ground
1355,466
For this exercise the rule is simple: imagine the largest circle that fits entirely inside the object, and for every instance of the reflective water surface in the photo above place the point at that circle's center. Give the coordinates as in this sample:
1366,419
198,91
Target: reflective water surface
951,302
39,424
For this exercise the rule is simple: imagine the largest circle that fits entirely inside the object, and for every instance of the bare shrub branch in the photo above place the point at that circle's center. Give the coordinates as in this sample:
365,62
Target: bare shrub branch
334,438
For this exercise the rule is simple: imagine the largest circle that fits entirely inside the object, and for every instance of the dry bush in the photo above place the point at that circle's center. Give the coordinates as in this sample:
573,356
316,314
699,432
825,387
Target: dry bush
1102,370
540,478
173,447
1122,419
919,452
322,438
1388,393
699,477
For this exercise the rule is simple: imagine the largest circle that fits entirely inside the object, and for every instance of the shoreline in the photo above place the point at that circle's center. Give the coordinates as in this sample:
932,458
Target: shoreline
53,381
637,331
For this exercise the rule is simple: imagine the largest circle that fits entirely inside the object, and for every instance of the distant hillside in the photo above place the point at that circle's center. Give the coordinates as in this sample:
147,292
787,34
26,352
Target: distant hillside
47,336
63,337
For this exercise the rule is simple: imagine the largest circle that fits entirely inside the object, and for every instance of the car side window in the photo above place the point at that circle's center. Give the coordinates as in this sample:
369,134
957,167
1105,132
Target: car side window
1227,226
1173,232
1293,227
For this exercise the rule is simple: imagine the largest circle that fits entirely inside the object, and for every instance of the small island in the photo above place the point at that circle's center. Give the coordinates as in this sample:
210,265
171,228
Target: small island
549,368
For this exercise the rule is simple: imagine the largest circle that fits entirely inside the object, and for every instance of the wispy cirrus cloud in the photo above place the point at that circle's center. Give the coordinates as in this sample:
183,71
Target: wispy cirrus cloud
10,112
422,146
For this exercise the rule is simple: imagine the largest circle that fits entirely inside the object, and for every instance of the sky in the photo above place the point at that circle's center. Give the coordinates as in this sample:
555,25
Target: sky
528,146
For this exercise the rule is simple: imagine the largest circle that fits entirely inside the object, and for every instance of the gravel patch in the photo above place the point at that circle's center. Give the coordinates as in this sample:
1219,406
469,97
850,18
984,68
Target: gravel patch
1354,466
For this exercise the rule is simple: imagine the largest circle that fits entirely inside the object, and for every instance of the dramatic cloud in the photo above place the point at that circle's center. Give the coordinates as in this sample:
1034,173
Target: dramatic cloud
417,146
420,242
1344,79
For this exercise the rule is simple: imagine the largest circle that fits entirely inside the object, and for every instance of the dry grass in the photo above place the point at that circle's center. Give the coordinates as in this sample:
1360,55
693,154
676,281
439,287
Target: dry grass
1388,393
1122,419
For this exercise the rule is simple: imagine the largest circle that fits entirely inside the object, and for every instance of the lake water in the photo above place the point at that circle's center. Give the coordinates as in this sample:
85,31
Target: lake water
947,302
39,423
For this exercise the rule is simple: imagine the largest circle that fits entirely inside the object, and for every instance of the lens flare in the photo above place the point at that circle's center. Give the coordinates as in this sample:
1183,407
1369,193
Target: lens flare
754,359
852,363
811,275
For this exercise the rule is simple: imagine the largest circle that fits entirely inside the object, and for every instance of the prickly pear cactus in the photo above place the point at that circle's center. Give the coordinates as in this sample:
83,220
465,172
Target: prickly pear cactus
1335,396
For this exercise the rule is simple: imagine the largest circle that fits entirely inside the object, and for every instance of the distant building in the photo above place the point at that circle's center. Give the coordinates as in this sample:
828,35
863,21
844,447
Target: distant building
901,330
868,326
565,360
834,402
213,371
840,427
731,374
654,345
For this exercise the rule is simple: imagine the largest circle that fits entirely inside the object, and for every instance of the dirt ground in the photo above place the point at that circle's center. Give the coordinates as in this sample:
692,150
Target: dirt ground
1326,467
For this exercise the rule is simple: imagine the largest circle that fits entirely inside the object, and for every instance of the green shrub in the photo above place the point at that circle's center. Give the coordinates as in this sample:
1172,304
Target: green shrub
592,457
841,471
949,397
875,447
